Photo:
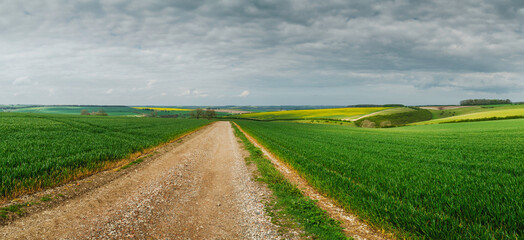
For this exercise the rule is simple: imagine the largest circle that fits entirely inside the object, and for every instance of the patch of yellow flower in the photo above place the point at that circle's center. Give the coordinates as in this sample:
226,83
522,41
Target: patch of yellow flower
162,109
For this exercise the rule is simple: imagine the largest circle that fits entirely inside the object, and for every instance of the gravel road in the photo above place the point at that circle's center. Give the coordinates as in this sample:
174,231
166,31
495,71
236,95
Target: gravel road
200,189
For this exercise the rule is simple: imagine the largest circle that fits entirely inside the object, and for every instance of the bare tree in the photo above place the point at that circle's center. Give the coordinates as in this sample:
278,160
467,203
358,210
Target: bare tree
84,112
153,114
367,124
100,112
198,113
210,113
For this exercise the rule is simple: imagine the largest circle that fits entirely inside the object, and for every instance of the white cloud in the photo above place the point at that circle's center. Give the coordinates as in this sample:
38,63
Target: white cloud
22,81
206,49
186,92
194,93
109,91
244,93
150,83
51,91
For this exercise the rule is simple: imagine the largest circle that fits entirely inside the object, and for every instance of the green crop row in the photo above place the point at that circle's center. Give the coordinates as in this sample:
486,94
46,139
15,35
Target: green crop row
448,181
40,150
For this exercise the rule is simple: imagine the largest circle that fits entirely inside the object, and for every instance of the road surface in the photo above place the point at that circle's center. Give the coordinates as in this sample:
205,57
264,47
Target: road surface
200,189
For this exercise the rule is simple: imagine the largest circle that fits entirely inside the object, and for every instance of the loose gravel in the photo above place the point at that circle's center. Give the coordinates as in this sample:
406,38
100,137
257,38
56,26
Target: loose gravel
199,189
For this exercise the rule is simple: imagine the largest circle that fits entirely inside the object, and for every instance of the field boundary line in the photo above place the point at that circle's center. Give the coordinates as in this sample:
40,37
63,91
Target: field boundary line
353,226
30,203
114,165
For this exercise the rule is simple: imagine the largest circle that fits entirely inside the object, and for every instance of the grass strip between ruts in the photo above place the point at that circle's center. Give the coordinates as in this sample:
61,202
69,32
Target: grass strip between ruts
289,200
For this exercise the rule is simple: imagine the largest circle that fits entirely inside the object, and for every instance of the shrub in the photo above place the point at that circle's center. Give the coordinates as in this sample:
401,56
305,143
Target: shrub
385,124
470,102
367,124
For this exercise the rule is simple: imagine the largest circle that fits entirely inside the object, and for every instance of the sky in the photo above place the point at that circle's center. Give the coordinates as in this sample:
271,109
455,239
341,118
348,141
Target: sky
267,52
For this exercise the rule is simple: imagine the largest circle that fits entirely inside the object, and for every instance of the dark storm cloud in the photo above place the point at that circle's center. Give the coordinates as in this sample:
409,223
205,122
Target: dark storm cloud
211,52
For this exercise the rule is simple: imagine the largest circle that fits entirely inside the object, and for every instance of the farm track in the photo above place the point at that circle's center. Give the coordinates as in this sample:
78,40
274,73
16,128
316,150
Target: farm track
353,226
197,189
368,115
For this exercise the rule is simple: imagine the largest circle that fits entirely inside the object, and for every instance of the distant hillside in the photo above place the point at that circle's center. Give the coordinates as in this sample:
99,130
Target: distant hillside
333,113
110,110
400,117
474,113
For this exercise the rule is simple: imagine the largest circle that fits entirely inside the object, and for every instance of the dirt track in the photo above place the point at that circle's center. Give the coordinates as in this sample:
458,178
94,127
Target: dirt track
200,189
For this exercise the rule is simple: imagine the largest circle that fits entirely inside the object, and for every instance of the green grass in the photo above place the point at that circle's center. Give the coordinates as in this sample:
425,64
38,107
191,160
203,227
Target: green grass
333,113
17,209
46,198
393,111
43,150
138,161
289,200
446,181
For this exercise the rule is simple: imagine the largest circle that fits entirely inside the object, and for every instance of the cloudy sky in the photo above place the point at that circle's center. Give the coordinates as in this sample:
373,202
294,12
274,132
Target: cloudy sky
266,52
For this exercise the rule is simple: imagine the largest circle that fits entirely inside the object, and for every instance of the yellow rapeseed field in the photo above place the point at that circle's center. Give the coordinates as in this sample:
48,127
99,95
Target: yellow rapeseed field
478,115
333,113
162,109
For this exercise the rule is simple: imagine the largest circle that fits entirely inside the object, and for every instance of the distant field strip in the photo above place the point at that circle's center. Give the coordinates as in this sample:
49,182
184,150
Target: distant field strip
162,109
332,113
111,111
478,115
447,181
40,150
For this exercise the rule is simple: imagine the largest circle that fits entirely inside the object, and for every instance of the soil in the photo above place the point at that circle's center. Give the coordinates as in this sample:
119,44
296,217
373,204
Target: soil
353,226
196,188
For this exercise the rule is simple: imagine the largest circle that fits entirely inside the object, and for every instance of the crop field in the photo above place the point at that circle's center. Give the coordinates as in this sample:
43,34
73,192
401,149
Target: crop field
162,109
111,111
393,111
43,150
473,109
447,181
332,113
487,113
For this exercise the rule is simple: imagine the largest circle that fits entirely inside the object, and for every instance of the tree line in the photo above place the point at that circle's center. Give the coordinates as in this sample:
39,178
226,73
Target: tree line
201,113
470,102
100,112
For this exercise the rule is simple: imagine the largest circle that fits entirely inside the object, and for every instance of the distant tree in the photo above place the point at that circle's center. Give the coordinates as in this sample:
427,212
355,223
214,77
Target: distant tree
393,105
210,113
100,112
84,112
197,113
153,114
385,124
367,124
470,102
